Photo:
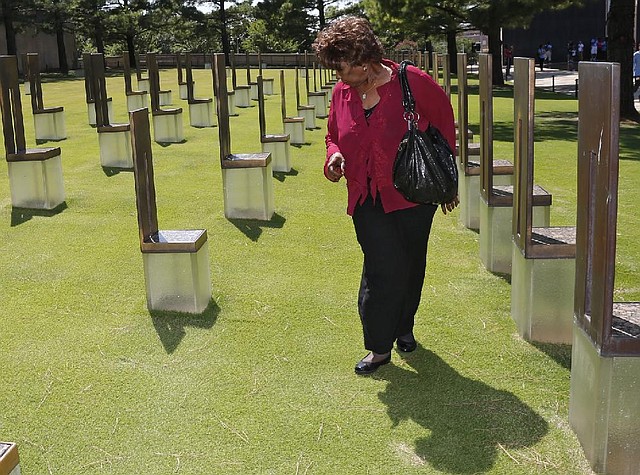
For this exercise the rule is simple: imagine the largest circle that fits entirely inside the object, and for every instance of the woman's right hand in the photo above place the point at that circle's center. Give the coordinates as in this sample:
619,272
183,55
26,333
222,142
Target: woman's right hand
335,167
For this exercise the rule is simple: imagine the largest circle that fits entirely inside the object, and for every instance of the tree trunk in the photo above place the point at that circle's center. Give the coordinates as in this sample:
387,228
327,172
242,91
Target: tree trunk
10,31
495,48
98,37
131,48
223,29
620,46
452,49
321,18
62,50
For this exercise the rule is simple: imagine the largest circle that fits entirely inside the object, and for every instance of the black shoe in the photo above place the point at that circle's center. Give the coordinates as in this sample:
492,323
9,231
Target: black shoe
407,346
364,367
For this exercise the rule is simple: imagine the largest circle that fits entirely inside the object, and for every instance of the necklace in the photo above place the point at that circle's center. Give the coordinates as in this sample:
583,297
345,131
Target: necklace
364,94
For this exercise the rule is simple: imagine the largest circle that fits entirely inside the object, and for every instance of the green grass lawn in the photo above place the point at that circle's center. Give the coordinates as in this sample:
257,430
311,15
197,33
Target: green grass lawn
263,382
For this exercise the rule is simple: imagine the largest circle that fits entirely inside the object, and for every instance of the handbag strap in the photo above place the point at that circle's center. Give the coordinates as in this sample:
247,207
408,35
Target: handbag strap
408,102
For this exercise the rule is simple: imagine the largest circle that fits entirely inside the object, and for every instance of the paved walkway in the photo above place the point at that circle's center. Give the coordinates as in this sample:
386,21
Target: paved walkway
558,80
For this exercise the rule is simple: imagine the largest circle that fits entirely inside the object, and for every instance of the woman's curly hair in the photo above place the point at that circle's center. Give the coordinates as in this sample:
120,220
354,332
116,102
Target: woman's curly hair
349,39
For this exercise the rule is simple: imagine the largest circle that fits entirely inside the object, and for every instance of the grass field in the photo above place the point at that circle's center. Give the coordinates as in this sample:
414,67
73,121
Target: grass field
262,382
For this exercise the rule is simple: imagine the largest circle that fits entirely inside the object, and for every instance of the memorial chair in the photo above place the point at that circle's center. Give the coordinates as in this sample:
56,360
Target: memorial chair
9,459
200,110
242,92
318,99
143,82
114,139
89,92
543,258
267,83
446,74
604,402
327,82
231,95
176,262
253,85
247,177
25,73
496,201
135,99
48,122
469,168
293,126
183,88
35,174
167,123
308,111
435,67
275,144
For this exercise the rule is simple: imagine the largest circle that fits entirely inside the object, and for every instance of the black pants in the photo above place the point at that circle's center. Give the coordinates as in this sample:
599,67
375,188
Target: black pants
395,255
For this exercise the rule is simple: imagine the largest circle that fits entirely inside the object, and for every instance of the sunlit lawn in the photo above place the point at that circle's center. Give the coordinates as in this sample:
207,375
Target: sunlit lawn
263,381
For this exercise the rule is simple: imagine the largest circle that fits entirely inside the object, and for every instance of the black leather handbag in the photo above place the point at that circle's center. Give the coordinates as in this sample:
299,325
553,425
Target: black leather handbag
424,170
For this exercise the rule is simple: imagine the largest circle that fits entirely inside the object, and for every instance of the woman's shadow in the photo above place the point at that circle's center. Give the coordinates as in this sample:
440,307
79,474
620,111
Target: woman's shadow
470,422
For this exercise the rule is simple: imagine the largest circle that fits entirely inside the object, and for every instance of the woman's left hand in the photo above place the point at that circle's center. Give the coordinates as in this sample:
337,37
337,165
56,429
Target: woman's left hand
448,207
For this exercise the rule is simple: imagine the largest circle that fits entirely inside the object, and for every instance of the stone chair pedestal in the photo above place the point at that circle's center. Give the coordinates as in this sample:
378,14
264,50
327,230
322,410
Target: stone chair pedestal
248,186
49,124
542,290
184,91
177,279
9,459
278,147
35,179
231,102
604,405
495,229
143,85
294,127
242,96
201,113
115,146
319,101
469,189
91,111
137,100
308,112
165,98
167,126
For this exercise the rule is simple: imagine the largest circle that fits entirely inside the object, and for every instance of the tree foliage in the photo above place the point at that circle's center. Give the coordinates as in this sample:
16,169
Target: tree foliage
445,17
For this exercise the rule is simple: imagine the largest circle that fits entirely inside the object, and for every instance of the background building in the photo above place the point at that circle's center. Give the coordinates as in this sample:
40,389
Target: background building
559,28
44,44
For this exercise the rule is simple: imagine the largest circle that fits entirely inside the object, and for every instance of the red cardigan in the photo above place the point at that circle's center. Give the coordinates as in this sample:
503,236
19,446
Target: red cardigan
369,149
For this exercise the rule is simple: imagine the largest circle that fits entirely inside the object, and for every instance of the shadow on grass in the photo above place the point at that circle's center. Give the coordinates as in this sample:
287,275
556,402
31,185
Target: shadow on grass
560,353
252,228
22,215
629,142
169,144
170,326
44,141
112,171
469,422
548,126
281,176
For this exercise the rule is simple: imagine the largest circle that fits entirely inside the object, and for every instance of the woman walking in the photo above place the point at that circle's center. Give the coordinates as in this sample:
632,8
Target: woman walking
365,127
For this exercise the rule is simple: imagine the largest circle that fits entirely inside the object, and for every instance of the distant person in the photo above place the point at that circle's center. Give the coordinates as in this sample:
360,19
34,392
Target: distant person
580,50
594,49
636,72
572,56
542,55
507,53
548,48
602,49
